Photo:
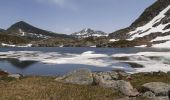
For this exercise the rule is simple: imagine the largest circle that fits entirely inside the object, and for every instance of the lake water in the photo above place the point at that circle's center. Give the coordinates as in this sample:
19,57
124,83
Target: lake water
55,61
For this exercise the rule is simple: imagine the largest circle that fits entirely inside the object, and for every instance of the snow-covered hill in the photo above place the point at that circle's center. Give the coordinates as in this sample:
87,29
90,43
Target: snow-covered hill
152,28
87,32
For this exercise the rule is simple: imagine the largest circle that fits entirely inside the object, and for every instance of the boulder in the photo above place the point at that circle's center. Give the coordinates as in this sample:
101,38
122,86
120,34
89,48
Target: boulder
126,88
79,76
109,75
17,76
158,88
3,73
99,80
148,94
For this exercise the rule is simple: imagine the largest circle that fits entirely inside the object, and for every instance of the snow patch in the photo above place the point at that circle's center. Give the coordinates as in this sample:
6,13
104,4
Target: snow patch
162,45
148,28
152,61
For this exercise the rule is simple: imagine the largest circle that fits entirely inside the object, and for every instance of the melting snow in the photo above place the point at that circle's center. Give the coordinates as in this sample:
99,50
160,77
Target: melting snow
152,61
148,29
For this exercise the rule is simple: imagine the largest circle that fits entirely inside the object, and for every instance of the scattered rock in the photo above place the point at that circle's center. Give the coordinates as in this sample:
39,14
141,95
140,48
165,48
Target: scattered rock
148,94
80,76
17,76
126,88
161,98
158,88
3,73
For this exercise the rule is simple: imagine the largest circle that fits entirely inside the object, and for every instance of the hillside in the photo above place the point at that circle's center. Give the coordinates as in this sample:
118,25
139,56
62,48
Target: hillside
26,30
10,39
152,28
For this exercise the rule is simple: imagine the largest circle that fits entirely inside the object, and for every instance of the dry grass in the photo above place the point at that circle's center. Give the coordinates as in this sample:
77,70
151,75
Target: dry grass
45,88
139,79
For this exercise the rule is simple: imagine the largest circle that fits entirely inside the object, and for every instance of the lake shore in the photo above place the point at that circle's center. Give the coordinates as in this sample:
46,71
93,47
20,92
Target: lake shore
47,88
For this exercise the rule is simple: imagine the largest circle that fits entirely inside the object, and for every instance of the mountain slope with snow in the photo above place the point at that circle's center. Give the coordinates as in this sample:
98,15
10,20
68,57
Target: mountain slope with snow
88,33
152,28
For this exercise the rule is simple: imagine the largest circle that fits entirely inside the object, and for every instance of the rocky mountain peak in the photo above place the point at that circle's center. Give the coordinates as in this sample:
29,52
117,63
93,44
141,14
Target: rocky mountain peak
22,28
87,32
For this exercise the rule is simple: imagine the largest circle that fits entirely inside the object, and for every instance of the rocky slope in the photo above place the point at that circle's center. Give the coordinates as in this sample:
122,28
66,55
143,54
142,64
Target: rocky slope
26,30
152,28
2,30
87,32
10,39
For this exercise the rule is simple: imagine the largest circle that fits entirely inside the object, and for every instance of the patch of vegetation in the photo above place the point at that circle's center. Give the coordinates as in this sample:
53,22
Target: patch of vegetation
141,78
45,88
121,43
134,65
10,39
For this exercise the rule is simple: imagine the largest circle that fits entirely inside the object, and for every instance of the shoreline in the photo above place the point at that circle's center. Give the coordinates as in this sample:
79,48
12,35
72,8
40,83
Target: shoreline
129,85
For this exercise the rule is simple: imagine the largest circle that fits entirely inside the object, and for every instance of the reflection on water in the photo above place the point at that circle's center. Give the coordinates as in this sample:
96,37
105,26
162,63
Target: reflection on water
17,63
52,61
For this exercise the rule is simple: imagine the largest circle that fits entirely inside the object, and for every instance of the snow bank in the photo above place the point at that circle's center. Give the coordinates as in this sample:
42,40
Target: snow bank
162,45
152,61
148,29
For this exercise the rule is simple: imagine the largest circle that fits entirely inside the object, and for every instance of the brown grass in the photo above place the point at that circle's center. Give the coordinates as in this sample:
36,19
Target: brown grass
139,79
45,88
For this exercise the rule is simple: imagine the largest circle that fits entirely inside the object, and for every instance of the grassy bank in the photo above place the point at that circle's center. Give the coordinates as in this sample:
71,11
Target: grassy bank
46,88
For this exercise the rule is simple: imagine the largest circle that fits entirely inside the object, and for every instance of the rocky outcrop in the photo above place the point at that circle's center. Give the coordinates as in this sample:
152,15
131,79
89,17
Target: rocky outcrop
158,88
80,76
152,24
104,79
87,32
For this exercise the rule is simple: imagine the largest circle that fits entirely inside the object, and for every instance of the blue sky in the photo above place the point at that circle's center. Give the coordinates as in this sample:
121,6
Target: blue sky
67,16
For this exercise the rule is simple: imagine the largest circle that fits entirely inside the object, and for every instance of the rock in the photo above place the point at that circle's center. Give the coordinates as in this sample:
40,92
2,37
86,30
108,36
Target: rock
3,73
104,76
158,88
105,83
148,94
109,75
17,76
161,98
126,88
80,76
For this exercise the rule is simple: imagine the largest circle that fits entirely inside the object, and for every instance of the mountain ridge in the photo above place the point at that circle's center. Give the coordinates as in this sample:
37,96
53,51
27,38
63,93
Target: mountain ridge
87,32
153,23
